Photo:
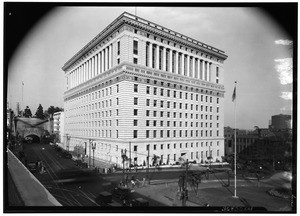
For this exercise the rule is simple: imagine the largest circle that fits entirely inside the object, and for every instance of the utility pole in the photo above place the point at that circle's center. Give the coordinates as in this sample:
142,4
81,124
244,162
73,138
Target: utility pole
129,156
185,193
148,164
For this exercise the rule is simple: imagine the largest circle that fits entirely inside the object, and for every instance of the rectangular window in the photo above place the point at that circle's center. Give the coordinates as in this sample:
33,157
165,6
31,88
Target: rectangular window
154,134
161,133
135,88
147,122
135,61
147,102
161,123
147,133
161,92
148,90
135,134
161,103
154,123
147,112
135,148
154,113
154,90
118,48
135,112
161,113
135,122
135,47
135,101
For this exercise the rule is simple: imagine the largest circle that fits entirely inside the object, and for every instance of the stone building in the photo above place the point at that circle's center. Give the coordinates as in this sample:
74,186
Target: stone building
146,90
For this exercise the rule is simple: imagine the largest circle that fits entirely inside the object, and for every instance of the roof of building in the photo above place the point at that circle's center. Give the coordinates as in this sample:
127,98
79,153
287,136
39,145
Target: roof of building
138,22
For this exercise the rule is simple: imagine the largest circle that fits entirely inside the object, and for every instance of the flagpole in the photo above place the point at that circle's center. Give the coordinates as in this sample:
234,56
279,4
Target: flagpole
235,196
22,96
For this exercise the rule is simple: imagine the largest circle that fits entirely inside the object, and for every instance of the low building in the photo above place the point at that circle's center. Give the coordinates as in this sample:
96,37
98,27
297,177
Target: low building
280,122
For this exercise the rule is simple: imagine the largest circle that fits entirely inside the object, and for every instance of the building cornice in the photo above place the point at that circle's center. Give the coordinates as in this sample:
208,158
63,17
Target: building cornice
127,71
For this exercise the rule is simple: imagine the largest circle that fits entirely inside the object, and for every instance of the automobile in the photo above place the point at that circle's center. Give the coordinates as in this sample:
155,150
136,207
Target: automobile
104,198
120,192
28,139
32,166
139,202
67,155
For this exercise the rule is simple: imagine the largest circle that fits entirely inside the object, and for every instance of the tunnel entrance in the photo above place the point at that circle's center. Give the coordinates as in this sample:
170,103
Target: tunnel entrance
32,138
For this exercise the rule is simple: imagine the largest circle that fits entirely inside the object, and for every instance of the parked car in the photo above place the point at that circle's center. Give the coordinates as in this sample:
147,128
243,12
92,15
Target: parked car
139,202
104,198
67,155
120,192
32,166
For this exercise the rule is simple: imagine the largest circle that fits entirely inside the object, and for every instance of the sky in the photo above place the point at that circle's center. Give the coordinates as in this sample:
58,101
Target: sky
258,49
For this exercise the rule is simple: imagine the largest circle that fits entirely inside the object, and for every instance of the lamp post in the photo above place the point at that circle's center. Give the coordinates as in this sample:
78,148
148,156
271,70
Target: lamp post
68,141
94,147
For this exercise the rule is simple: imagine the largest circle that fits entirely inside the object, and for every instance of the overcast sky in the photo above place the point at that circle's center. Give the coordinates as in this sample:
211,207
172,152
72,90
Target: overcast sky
258,52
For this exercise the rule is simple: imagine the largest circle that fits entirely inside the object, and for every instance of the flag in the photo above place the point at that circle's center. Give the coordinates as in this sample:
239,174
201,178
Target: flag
234,94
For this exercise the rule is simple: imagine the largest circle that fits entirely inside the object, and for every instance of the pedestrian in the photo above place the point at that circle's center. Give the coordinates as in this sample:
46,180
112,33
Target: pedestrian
180,183
126,179
133,181
144,180
257,176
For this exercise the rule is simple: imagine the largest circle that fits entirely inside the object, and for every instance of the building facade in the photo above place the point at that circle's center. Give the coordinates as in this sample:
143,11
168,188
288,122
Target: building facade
142,89
58,125
281,122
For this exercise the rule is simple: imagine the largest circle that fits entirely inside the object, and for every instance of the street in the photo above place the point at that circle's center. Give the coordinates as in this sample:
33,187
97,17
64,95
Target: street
75,186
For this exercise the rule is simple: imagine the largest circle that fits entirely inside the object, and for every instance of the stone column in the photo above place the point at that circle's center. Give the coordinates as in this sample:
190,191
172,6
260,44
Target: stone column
203,70
188,72
102,61
176,63
182,64
193,67
99,63
164,59
106,59
170,61
199,69
93,66
150,54
207,71
90,68
157,57
83,72
111,55
96,65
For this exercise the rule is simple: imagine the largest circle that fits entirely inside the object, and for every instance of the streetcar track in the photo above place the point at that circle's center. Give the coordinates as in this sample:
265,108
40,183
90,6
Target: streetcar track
51,171
50,168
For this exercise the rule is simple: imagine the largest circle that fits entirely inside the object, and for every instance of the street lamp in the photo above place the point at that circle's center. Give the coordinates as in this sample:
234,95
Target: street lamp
68,141
94,147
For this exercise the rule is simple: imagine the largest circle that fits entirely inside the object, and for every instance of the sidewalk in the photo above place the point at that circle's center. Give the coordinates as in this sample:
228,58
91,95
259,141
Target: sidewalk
214,194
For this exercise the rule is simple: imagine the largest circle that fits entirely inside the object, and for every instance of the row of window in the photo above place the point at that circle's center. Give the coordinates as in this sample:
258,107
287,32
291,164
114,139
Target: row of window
168,105
155,133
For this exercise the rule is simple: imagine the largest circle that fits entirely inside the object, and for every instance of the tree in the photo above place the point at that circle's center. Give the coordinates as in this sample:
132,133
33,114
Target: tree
39,112
155,159
53,109
27,112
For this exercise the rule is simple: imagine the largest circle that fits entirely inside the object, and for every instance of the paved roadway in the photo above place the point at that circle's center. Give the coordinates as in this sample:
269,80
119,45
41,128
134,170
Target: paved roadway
82,193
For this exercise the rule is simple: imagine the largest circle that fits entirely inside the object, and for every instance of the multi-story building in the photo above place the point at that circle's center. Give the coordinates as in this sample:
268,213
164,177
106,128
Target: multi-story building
229,139
58,125
146,90
281,122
